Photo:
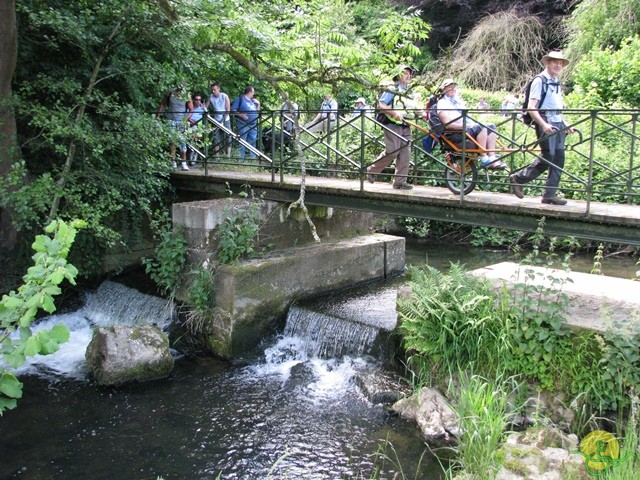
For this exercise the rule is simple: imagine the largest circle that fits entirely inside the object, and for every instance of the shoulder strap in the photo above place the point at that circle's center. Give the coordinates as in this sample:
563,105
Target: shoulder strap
545,88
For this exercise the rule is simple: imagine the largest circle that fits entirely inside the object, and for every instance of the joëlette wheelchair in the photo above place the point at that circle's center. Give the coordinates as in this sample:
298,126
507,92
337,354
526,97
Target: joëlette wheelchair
459,160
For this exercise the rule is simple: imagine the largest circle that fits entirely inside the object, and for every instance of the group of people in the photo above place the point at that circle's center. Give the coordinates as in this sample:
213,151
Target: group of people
545,104
184,114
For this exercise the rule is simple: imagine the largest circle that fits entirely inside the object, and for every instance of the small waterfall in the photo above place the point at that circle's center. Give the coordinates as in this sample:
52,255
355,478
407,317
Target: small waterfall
111,304
327,336
114,303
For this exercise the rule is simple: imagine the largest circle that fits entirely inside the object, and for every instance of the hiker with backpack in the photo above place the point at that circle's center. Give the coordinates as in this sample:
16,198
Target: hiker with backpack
542,107
449,108
179,110
393,109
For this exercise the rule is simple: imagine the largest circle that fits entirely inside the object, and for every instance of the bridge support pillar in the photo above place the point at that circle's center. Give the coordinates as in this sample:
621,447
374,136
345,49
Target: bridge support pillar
253,297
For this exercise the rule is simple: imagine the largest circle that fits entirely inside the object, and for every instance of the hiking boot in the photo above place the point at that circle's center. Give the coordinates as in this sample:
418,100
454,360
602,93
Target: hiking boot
515,187
371,178
403,186
554,200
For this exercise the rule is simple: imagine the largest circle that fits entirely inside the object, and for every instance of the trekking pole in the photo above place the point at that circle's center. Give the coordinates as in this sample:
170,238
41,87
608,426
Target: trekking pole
415,125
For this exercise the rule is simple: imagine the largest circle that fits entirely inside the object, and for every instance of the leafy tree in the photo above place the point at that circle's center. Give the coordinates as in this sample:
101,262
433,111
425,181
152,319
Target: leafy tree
501,52
600,24
90,75
609,77
18,309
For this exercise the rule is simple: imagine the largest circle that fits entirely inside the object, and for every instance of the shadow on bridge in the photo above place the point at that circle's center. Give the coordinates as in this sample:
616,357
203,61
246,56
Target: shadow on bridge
602,191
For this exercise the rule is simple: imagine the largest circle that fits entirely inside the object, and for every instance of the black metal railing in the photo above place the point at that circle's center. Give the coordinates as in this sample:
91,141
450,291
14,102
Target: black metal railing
600,156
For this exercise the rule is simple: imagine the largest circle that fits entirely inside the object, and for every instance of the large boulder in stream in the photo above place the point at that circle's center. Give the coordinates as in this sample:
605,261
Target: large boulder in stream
122,354
431,411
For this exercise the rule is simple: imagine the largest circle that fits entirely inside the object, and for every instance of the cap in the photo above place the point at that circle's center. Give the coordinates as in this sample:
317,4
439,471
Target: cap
555,55
360,100
446,82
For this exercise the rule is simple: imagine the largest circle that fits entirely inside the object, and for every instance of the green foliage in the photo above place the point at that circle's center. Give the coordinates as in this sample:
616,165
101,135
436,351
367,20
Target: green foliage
620,366
200,298
608,77
452,322
170,254
629,466
600,24
18,309
493,237
597,260
509,39
418,227
238,233
483,414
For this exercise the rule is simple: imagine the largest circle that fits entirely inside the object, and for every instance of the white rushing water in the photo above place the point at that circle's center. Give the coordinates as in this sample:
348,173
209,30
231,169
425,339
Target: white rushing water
112,303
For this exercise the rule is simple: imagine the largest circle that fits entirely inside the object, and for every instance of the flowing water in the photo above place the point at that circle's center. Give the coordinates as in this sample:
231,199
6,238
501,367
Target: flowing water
290,410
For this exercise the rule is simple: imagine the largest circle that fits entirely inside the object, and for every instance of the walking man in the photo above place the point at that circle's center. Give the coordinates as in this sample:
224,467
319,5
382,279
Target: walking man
545,108
397,134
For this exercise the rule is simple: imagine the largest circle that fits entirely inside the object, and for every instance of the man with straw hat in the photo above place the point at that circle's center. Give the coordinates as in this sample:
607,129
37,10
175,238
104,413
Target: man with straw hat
545,108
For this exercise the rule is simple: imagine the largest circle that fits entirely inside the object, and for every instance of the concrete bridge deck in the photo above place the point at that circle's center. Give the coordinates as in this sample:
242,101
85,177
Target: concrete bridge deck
605,222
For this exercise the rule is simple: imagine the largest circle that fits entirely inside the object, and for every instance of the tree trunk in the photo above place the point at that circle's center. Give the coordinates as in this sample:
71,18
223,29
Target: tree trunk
8,143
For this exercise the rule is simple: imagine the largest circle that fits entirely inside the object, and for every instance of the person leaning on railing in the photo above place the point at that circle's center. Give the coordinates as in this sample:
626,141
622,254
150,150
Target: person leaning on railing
550,130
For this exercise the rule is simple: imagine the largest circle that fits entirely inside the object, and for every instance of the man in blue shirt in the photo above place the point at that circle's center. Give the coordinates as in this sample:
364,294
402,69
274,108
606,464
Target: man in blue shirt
550,130
246,109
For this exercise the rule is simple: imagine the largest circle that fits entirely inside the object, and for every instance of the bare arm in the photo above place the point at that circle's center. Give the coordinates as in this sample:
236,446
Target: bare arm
162,105
189,109
447,117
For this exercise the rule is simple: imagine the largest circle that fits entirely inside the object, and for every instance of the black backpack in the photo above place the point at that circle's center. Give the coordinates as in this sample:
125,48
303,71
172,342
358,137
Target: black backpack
381,117
435,124
526,117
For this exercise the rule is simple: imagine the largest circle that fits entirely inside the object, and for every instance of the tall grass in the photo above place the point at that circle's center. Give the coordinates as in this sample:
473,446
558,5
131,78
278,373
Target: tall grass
629,465
483,411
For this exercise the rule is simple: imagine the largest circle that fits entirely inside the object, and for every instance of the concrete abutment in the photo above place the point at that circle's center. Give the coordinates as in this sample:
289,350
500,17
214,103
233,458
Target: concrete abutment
253,297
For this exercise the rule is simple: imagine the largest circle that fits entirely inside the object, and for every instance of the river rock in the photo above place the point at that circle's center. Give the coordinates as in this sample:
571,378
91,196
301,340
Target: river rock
380,388
301,374
122,354
431,411
543,453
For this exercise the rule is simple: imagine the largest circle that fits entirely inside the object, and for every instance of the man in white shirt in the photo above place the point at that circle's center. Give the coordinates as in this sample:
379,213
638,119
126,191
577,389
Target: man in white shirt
545,108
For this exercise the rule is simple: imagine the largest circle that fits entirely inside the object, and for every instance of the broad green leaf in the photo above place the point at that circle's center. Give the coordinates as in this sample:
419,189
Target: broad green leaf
60,333
10,385
7,404
31,346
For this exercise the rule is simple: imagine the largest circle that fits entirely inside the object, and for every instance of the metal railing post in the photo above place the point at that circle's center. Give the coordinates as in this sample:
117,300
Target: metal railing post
593,116
464,153
634,124
363,171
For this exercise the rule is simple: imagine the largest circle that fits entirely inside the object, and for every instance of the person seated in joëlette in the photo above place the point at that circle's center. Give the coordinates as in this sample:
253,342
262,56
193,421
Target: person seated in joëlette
450,106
